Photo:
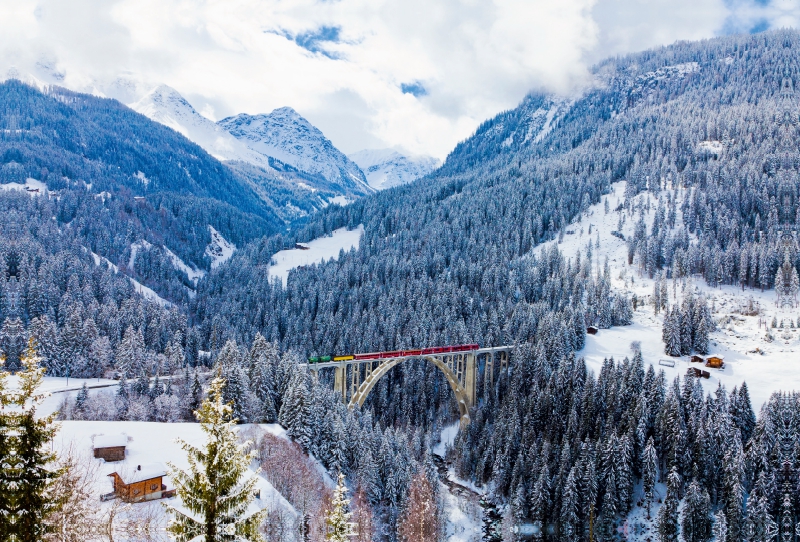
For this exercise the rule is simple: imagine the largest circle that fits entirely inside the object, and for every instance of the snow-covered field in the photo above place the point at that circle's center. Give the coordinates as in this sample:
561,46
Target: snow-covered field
320,249
765,366
151,445
32,186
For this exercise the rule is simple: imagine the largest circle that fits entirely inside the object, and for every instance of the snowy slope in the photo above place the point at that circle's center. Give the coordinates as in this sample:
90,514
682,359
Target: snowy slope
193,274
385,168
219,249
767,366
287,136
31,186
140,288
152,444
165,105
318,250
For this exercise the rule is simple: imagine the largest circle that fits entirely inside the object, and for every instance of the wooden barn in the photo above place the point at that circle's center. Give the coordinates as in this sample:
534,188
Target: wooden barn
697,358
715,361
146,484
110,447
591,330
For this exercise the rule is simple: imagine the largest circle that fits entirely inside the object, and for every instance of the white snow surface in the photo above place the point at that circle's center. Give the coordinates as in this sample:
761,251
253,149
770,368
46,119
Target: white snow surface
165,105
385,168
31,186
152,445
461,525
767,367
711,147
340,200
447,437
320,249
193,274
219,249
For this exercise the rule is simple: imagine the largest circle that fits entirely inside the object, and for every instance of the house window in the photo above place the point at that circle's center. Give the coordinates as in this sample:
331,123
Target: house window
135,491
153,487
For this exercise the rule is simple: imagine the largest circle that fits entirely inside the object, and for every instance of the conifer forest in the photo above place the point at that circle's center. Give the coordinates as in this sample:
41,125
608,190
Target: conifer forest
136,276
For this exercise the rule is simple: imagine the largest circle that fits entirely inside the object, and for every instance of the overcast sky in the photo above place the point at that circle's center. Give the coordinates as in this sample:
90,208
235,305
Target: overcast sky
421,74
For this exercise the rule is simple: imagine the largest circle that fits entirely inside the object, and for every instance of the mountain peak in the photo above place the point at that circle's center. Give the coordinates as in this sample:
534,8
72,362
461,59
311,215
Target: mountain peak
385,168
288,136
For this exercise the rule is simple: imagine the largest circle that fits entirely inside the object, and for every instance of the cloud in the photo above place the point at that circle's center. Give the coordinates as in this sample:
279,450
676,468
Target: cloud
373,73
416,89
315,40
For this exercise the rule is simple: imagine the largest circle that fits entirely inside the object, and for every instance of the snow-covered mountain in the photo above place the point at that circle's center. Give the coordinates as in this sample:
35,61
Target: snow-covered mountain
165,105
385,168
290,153
287,136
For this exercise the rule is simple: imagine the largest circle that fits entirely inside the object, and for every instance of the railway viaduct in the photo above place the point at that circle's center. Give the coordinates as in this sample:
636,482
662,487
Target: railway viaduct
355,378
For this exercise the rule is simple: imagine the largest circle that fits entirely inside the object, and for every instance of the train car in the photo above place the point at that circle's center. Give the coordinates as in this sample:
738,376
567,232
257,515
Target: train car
392,354
396,353
412,352
368,355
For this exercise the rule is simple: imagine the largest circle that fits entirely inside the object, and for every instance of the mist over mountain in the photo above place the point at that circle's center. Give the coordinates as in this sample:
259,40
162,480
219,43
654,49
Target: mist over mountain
385,168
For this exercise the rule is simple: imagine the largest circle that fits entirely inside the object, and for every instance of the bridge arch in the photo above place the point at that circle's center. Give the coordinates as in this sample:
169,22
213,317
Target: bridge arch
464,397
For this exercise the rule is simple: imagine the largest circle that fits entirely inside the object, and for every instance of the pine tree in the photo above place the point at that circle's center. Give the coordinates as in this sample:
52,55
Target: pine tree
338,525
213,490
28,471
672,332
667,521
720,529
701,335
569,509
649,473
295,411
696,521
81,398
6,481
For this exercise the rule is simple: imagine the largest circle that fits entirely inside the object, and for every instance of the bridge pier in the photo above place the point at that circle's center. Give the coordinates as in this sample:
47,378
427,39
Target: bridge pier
460,370
340,381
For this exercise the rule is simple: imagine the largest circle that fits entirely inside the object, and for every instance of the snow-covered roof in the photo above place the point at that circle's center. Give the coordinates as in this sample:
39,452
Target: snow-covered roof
720,356
144,472
110,441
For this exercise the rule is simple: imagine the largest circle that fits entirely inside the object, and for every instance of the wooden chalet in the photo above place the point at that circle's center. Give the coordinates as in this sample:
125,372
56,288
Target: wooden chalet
592,330
715,361
110,447
697,373
697,358
146,484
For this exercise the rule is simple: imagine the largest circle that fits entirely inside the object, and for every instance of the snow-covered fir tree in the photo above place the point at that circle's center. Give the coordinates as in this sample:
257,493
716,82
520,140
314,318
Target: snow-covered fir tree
339,528
216,490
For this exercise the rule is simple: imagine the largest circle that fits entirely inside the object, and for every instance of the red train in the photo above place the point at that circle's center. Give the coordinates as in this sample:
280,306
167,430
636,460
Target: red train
397,353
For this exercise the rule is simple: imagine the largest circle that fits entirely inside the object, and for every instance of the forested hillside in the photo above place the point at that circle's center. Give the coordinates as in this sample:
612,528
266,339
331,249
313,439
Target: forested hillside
447,261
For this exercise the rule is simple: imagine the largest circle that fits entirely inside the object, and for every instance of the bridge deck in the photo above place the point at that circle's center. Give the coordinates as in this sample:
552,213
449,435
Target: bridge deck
333,364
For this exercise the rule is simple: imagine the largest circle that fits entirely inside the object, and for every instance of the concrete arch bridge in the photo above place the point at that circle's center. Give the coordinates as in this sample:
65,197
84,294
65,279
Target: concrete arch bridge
356,374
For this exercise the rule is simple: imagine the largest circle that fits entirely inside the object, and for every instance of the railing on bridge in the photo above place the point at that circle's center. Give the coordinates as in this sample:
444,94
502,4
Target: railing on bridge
357,374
